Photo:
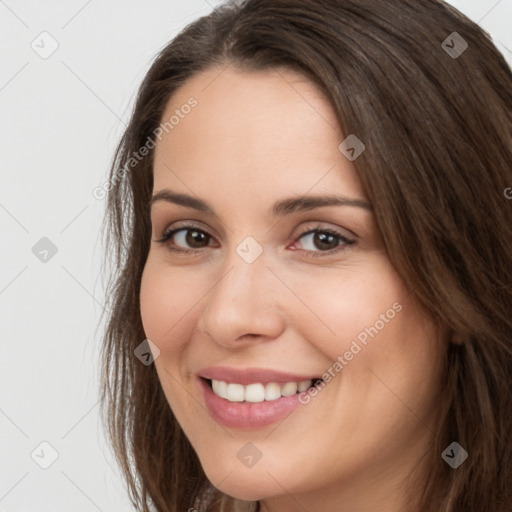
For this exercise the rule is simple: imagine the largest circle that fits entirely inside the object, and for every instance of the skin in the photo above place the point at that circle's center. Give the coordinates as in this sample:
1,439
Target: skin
255,138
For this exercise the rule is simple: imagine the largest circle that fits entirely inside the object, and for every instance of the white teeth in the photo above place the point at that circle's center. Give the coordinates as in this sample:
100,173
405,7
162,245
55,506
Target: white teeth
235,392
272,391
220,388
254,393
257,392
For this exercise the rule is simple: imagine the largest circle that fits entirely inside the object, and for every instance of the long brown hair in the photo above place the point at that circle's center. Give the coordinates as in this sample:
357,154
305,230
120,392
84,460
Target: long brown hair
437,127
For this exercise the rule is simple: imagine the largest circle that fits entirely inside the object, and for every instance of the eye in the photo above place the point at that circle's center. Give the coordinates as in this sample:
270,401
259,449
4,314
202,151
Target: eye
317,241
186,238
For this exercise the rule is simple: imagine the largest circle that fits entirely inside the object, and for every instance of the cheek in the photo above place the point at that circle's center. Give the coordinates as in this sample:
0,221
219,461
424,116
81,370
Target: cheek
389,347
154,303
359,303
167,302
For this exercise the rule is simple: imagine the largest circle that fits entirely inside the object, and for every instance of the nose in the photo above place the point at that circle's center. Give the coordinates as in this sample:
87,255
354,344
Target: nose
244,305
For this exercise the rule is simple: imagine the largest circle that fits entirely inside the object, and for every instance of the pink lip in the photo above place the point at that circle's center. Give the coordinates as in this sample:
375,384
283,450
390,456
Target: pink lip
246,415
251,375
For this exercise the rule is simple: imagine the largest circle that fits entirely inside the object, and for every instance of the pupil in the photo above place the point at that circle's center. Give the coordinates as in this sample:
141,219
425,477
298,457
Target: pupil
322,240
194,238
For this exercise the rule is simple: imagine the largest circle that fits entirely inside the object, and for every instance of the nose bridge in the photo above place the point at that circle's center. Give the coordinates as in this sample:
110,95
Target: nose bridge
242,284
242,302
245,271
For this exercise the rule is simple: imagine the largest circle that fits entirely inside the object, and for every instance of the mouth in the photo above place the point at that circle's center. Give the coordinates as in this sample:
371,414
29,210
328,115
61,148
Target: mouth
252,405
258,392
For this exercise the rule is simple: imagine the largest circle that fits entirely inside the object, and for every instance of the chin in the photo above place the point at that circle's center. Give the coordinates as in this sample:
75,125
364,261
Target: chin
247,484
245,488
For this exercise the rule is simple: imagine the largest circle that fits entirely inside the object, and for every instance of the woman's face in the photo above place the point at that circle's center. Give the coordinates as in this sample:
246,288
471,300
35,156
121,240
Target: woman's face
276,275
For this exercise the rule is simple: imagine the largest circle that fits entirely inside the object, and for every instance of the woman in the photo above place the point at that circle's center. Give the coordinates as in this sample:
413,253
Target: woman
310,307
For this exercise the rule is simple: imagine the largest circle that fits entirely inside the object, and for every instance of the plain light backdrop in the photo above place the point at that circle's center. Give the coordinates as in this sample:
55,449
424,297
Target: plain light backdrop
62,114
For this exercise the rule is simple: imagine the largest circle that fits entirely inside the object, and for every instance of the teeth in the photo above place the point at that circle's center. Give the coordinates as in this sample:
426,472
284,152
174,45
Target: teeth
289,389
235,392
220,388
257,392
305,384
272,391
254,393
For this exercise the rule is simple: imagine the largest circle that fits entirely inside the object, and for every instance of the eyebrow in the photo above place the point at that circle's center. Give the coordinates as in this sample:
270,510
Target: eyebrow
279,209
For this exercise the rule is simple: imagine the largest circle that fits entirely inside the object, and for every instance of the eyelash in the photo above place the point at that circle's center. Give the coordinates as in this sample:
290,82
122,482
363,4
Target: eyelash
342,238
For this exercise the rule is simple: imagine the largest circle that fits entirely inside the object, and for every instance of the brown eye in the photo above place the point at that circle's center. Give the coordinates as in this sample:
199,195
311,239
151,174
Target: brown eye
186,238
325,241
195,238
318,240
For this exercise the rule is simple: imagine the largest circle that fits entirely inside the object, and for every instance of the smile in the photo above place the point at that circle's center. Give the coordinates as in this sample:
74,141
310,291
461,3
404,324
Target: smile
257,392
251,398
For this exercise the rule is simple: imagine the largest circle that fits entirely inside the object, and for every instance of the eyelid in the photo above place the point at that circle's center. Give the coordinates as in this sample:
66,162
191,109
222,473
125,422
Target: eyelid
183,226
186,224
320,226
345,240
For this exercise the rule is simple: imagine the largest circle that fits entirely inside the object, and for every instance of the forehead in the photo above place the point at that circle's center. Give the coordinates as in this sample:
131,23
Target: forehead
259,132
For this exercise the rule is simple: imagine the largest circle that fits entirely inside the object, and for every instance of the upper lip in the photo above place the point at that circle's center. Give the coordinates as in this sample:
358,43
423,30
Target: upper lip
247,376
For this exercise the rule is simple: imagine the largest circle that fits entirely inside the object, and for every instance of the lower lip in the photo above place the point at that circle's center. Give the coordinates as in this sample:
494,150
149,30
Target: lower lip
247,415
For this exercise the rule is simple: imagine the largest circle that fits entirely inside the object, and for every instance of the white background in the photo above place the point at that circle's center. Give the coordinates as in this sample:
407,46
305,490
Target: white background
60,120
